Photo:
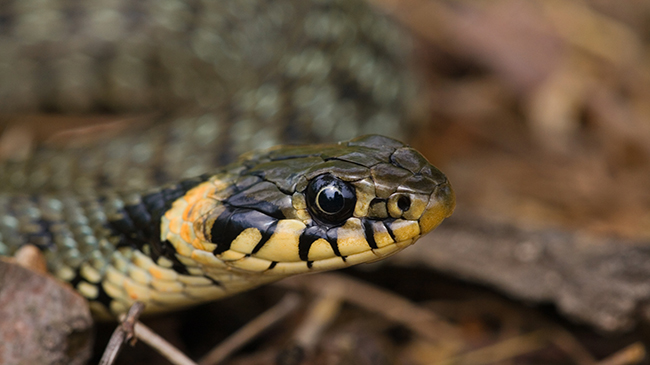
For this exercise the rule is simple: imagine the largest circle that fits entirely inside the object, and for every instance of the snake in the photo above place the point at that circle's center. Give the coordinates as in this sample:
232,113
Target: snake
218,193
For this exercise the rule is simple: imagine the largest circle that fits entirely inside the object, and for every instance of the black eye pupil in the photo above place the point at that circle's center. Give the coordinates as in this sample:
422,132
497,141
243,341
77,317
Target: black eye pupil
330,200
404,203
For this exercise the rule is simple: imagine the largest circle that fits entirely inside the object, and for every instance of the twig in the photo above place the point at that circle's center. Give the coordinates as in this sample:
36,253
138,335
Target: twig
252,329
632,354
565,341
501,351
320,314
171,353
419,320
131,329
122,334
322,311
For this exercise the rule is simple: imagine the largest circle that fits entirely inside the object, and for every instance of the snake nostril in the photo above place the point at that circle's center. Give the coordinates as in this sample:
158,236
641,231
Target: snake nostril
404,203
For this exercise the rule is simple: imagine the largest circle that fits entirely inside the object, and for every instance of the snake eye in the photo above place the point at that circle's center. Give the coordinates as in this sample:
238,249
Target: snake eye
330,200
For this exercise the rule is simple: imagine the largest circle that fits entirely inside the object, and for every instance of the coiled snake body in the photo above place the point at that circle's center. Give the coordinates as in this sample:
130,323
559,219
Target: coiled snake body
222,77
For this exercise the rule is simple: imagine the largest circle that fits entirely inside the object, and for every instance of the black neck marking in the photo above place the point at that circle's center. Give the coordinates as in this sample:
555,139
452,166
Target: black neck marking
139,224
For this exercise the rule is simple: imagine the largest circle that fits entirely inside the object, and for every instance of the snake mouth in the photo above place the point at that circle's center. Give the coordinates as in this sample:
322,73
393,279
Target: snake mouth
252,264
404,233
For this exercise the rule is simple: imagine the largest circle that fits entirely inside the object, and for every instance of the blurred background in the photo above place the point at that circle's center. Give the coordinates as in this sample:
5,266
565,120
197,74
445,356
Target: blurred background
538,111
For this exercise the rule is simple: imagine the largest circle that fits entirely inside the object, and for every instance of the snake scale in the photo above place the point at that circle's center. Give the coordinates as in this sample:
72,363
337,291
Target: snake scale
149,215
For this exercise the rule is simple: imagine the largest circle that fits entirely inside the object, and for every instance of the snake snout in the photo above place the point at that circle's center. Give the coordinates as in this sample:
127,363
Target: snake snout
444,193
441,205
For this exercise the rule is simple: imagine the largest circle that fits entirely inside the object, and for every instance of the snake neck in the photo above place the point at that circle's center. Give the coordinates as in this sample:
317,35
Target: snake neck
136,223
102,245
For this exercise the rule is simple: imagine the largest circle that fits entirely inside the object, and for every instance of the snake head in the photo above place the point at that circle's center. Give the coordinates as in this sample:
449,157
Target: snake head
296,209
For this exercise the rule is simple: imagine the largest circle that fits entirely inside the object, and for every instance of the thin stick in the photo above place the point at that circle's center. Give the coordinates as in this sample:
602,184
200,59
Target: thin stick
252,329
419,320
565,341
501,351
122,334
320,315
171,353
633,354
